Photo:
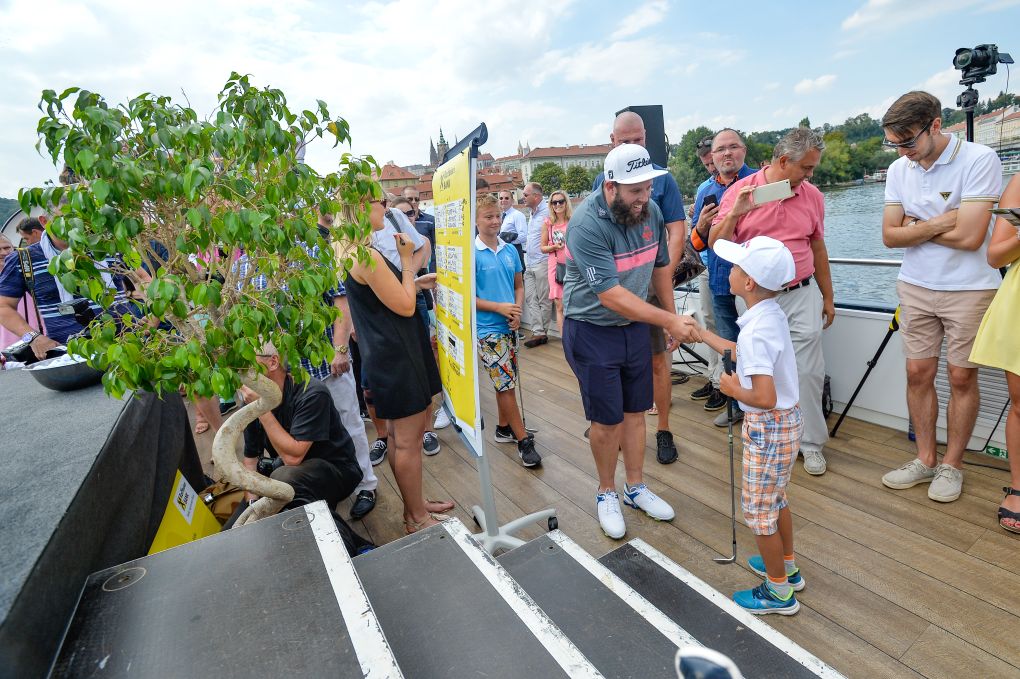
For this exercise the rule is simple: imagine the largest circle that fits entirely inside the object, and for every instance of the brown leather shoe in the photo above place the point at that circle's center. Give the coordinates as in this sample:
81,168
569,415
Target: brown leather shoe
536,341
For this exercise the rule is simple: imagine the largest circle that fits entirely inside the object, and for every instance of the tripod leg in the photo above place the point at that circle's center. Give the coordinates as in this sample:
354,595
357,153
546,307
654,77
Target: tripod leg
860,385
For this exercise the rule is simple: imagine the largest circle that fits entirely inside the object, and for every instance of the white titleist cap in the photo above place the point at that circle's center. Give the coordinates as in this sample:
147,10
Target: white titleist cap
764,259
630,164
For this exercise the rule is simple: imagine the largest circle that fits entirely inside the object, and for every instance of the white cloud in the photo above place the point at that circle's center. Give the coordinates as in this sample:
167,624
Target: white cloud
645,16
768,87
892,15
625,63
807,85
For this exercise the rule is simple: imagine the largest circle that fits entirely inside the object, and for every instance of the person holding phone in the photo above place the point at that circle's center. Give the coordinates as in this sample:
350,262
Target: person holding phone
799,222
396,357
719,306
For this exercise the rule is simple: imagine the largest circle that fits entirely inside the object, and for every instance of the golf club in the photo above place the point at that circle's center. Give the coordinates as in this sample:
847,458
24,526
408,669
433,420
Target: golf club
728,365
520,389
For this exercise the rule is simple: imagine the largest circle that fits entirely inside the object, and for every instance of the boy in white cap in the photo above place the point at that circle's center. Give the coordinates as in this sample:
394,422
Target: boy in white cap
765,385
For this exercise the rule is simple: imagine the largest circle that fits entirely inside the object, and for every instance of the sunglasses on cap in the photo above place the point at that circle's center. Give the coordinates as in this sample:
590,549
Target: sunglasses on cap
559,201
705,143
382,201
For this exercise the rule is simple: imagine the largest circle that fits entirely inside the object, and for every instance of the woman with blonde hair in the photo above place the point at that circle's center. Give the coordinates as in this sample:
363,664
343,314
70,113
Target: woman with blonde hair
396,357
554,244
998,345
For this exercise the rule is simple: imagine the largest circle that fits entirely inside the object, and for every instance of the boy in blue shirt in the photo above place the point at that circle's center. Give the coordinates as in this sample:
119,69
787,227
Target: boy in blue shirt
499,284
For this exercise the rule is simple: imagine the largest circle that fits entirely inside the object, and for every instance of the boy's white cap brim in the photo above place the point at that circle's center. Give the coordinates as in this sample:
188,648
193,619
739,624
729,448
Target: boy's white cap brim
766,260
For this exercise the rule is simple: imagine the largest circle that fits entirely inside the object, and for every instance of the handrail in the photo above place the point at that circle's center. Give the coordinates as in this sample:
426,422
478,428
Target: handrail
865,262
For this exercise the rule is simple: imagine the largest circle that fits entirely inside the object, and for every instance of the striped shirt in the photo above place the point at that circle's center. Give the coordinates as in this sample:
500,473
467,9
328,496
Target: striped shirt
59,327
602,254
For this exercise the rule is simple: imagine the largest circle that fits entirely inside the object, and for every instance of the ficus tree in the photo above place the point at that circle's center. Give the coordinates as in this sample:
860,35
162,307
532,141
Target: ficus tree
192,210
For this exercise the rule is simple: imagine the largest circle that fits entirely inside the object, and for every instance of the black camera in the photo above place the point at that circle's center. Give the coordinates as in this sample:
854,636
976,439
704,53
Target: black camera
267,465
979,63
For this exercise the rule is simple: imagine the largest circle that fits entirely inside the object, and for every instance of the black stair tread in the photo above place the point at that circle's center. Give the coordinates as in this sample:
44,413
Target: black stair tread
253,601
711,625
618,640
442,616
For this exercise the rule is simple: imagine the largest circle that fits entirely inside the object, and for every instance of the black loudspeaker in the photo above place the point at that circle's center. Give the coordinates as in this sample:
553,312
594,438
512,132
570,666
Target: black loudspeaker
655,132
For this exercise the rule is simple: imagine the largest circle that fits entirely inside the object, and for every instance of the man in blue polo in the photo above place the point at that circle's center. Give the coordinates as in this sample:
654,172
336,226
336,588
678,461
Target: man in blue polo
629,128
728,153
616,252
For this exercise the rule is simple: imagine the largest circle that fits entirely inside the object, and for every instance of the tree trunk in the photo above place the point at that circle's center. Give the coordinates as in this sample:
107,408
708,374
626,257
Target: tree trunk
274,495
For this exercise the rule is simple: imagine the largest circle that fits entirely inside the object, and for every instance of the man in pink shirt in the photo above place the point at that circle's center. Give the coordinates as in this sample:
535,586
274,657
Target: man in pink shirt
798,222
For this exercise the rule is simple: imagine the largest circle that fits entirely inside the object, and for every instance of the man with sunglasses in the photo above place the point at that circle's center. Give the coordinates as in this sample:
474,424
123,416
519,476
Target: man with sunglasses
937,197
514,229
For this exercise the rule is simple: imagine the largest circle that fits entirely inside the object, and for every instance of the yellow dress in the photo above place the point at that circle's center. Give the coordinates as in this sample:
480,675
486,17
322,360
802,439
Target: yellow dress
998,339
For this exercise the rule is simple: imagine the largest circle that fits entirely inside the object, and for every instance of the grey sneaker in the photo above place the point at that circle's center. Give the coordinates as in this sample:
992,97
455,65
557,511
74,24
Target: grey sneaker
814,462
430,443
721,419
947,484
909,475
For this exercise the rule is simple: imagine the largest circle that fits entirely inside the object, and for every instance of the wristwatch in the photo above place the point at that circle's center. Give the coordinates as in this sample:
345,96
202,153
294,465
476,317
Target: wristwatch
342,349
29,336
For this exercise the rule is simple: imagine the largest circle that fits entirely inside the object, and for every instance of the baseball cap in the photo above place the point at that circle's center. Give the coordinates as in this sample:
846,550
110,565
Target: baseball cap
766,260
630,164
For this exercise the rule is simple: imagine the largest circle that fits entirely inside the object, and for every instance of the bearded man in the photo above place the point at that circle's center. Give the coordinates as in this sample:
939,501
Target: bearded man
616,250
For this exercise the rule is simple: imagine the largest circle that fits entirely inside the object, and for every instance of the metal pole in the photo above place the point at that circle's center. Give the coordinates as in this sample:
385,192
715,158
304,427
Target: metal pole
728,364
894,325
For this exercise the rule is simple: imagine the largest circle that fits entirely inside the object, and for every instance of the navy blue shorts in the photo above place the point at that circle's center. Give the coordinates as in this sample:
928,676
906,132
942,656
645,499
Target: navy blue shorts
613,365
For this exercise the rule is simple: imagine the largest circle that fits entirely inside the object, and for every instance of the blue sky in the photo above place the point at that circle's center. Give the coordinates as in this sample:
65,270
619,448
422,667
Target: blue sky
547,73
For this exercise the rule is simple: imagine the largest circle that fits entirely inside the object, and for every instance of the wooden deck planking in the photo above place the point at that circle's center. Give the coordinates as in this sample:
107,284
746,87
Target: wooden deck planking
898,585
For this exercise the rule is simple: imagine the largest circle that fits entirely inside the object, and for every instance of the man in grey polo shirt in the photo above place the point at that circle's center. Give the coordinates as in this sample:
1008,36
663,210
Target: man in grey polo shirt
536,273
616,250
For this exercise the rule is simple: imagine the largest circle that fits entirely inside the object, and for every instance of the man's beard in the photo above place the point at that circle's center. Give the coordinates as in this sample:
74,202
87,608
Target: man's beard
623,215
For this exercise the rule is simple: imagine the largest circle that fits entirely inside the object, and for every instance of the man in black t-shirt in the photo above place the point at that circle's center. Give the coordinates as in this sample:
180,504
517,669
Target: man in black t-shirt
305,432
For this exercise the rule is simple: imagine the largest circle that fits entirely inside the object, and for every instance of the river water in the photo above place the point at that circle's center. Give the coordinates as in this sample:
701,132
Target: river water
853,228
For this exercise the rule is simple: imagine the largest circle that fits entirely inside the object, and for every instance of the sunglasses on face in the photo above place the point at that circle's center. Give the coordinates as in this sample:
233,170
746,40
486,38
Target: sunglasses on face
504,197
413,200
907,144
557,202
409,213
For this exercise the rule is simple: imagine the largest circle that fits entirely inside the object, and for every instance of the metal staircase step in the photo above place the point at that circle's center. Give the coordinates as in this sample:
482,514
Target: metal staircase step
277,598
448,609
711,617
617,629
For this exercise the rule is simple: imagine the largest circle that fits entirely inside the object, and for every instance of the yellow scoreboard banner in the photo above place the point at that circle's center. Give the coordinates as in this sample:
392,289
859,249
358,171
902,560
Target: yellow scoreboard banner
453,198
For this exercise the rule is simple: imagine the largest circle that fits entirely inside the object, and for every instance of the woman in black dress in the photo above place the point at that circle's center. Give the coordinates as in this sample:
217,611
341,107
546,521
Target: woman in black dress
398,361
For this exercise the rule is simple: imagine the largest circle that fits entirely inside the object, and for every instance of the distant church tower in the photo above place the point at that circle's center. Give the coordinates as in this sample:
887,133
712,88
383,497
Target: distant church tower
523,150
441,148
433,155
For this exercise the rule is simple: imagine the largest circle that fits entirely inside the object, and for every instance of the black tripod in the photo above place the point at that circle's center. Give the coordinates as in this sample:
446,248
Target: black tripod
894,325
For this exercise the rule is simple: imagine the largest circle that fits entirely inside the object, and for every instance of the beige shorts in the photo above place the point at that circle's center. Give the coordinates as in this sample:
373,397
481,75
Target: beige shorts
926,316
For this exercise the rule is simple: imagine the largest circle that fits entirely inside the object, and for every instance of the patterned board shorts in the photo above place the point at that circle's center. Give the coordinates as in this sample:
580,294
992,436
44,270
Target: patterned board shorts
771,442
497,355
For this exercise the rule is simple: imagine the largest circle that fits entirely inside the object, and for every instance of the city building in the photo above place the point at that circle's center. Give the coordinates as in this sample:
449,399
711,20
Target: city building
587,156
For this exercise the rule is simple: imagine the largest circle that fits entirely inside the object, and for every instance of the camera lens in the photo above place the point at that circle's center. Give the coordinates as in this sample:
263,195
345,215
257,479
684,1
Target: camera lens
963,58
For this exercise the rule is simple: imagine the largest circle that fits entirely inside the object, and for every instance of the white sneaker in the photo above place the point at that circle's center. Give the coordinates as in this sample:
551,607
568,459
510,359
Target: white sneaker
909,475
639,497
610,516
442,419
814,462
947,484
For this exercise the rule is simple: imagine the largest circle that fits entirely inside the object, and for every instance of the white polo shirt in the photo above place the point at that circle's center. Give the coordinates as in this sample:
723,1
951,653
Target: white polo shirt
764,348
964,172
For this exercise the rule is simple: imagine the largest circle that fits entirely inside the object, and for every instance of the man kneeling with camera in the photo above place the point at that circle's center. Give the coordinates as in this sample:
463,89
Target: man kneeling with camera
307,444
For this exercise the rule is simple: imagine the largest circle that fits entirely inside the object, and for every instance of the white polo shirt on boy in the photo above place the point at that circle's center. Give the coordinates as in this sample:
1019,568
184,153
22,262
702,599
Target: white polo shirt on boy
963,172
764,348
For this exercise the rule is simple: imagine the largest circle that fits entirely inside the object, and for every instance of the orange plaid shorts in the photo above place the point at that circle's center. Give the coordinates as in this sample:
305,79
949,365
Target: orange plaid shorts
771,442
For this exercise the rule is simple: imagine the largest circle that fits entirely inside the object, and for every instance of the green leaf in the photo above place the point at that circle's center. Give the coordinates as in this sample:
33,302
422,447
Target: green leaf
86,159
100,189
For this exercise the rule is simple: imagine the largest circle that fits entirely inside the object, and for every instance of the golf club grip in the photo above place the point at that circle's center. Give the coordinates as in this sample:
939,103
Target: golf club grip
727,358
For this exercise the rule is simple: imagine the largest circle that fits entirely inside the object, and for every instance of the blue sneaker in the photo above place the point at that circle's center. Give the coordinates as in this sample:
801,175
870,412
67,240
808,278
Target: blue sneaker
762,600
795,579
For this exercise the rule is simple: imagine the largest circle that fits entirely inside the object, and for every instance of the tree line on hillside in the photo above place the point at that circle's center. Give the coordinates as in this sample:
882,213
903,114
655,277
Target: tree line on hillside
8,206
852,150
